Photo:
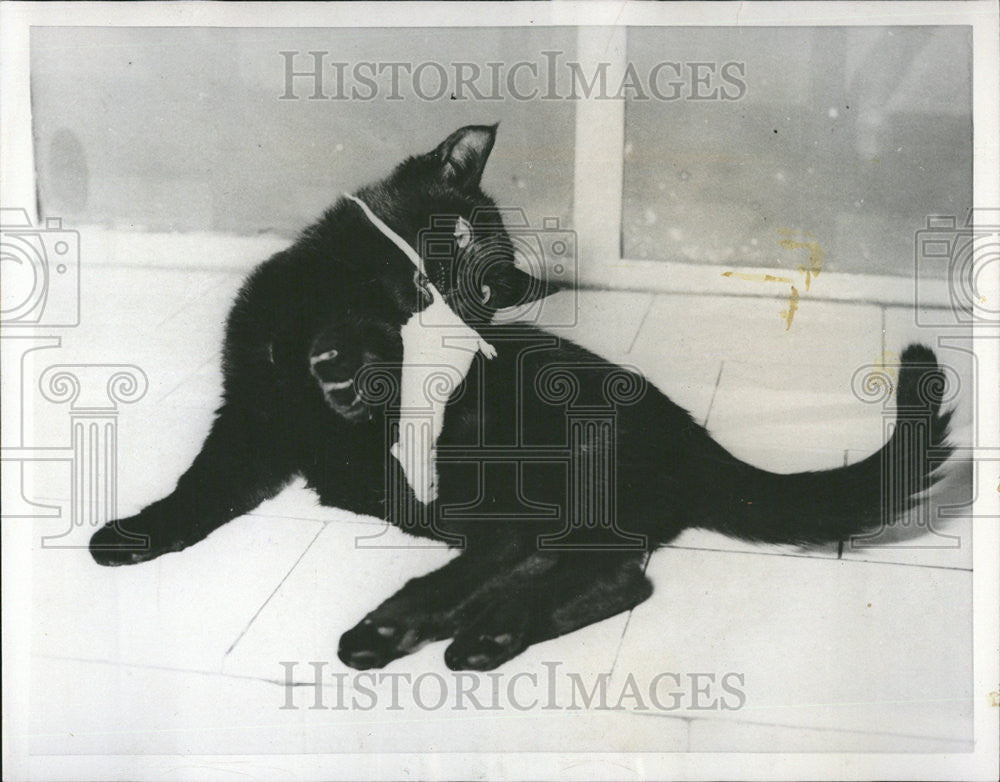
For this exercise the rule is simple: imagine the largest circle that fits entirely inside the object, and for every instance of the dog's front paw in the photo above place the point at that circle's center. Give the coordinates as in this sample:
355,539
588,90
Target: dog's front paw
334,364
499,633
136,539
474,651
377,641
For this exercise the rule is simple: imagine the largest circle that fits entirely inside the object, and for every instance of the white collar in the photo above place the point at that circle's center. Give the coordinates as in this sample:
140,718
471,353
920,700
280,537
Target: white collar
393,237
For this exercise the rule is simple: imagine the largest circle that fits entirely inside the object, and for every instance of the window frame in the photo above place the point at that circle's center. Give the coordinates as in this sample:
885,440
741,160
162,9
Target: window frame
598,195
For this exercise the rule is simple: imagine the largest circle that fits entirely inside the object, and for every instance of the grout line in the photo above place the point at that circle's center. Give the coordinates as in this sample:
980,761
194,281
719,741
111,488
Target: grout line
194,300
221,268
242,268
858,731
817,558
273,593
715,391
214,358
840,543
689,720
906,564
283,517
635,337
628,619
882,311
153,667
820,298
763,553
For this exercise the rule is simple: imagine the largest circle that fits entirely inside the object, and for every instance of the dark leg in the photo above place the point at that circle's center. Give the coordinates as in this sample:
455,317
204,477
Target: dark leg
240,465
582,588
431,607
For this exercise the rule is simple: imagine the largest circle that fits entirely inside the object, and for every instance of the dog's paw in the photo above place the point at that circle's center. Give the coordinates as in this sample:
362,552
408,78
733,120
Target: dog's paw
377,641
498,634
472,651
334,365
134,540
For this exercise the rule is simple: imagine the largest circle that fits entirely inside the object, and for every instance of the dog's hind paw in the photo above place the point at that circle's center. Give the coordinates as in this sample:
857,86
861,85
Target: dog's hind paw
475,652
375,642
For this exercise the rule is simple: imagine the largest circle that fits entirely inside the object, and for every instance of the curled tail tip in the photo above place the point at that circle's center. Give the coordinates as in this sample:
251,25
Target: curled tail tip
922,383
922,389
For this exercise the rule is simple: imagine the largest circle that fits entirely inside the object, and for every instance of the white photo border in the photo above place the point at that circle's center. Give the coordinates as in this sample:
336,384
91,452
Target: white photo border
17,188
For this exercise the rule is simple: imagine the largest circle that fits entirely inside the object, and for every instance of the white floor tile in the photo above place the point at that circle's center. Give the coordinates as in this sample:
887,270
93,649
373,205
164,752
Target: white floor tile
296,501
87,708
689,383
155,447
604,322
789,419
709,735
350,570
191,251
821,644
715,541
751,330
182,610
931,535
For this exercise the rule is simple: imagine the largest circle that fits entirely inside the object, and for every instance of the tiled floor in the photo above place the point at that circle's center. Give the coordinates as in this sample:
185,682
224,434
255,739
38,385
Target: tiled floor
839,648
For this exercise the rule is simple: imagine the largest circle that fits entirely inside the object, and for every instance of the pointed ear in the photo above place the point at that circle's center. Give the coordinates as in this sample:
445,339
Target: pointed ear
464,153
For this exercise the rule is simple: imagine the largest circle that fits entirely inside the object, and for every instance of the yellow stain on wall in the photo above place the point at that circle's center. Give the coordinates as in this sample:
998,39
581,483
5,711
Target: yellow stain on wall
756,277
793,305
888,362
811,270
816,254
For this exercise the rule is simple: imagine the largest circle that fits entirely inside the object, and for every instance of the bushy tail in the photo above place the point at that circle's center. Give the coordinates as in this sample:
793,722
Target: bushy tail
818,507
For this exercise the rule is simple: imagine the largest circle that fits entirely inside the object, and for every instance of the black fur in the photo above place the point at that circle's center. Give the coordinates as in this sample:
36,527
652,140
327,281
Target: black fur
536,563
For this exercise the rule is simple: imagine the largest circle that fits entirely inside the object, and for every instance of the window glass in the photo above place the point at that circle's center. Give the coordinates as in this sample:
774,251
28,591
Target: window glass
843,137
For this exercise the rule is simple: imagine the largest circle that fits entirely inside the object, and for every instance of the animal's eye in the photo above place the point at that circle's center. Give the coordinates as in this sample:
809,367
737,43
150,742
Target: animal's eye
463,233
487,292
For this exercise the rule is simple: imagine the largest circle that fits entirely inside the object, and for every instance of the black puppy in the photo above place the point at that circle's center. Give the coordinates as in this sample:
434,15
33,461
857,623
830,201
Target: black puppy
557,470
